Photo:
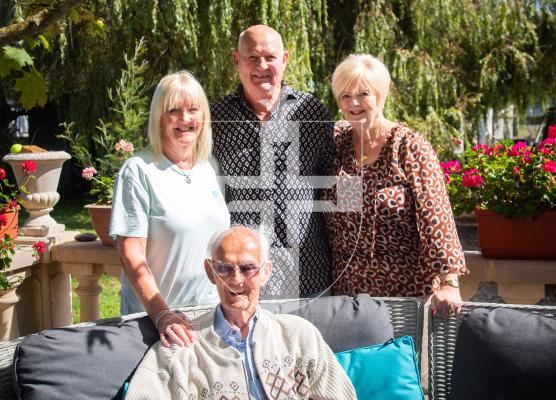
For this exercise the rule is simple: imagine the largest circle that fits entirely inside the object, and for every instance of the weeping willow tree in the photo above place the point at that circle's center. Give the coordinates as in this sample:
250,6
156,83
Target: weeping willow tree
180,34
451,60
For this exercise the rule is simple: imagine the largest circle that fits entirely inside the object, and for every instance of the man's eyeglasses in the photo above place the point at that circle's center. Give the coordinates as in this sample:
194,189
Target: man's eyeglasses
226,270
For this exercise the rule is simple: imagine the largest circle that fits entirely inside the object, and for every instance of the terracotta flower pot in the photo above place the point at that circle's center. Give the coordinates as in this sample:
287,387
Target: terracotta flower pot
10,229
501,237
100,216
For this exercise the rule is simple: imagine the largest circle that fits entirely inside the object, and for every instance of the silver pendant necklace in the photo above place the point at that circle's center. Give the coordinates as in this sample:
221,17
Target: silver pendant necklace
187,178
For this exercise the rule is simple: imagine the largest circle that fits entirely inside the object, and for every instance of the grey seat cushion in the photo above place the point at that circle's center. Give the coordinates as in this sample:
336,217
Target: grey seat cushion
81,363
94,362
345,323
504,354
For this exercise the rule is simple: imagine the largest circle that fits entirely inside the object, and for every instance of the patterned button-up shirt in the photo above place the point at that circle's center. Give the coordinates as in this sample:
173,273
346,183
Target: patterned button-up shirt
265,165
232,337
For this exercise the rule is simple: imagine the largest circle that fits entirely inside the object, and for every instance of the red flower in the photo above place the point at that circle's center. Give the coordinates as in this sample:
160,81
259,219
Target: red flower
552,132
12,204
471,178
549,143
2,173
481,148
28,166
517,149
546,150
450,166
527,156
516,170
39,248
549,166
3,220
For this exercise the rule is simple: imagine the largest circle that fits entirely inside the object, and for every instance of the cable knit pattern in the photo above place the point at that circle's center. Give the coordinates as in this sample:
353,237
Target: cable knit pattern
291,358
405,235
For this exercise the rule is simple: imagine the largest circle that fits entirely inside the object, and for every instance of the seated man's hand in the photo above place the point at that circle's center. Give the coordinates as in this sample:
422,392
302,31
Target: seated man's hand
174,327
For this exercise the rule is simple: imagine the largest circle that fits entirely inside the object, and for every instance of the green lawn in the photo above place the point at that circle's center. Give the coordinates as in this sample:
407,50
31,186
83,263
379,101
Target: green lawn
109,298
72,214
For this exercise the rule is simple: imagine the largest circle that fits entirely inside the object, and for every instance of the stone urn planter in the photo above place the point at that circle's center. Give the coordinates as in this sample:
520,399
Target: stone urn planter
8,326
100,215
501,237
43,194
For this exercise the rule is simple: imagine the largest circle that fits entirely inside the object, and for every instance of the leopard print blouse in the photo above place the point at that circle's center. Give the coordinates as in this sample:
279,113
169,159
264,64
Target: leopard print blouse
405,235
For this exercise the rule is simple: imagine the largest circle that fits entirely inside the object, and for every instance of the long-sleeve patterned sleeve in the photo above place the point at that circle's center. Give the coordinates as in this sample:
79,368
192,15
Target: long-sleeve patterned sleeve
440,248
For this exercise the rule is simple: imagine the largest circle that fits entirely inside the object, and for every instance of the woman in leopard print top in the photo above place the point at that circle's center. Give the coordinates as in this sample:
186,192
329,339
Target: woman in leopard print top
403,239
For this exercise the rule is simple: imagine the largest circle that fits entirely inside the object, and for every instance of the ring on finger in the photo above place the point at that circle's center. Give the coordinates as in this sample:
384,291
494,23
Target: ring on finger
452,313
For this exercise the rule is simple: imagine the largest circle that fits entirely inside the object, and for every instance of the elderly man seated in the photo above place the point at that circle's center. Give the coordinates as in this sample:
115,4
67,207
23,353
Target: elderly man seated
241,351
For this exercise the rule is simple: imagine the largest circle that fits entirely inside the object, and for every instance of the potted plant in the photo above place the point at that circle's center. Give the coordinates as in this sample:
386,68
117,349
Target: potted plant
40,195
511,187
114,141
10,202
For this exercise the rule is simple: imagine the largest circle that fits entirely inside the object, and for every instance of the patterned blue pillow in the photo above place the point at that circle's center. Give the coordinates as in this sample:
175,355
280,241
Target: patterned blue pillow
385,371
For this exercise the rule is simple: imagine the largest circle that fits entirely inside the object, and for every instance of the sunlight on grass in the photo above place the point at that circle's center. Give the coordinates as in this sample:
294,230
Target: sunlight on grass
109,298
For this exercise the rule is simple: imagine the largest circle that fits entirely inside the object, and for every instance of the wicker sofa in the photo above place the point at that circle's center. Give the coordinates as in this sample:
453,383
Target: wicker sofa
406,316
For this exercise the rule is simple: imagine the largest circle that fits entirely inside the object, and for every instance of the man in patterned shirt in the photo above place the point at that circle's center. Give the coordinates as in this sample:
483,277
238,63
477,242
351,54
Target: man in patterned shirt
269,139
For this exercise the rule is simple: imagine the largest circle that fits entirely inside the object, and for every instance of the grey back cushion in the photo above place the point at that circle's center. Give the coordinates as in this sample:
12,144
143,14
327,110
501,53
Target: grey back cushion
94,362
504,354
345,323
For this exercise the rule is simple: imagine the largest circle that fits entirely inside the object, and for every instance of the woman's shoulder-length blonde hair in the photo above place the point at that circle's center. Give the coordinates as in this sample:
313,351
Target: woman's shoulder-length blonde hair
361,70
172,91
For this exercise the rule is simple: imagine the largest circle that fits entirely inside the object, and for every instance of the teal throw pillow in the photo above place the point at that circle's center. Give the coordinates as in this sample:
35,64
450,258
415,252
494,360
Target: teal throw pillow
384,372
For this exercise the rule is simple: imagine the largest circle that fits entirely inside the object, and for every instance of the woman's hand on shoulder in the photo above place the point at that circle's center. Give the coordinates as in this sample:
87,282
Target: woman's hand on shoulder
175,327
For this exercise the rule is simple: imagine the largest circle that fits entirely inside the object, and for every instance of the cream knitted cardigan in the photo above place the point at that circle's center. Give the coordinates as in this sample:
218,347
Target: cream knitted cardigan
291,357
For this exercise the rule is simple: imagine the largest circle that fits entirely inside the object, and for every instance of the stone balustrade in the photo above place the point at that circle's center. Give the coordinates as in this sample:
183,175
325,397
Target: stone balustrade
46,292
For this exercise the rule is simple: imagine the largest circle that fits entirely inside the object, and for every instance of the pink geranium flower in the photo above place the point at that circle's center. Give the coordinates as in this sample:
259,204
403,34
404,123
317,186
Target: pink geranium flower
2,173
124,146
88,173
3,220
472,178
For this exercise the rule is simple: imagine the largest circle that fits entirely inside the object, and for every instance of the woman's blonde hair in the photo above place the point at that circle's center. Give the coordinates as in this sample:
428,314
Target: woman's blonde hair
172,91
361,70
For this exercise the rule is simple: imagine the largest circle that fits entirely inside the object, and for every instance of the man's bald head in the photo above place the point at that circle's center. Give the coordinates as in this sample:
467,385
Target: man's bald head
260,60
256,33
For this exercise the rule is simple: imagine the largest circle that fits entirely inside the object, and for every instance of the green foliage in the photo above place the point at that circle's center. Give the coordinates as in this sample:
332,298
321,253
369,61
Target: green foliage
33,89
13,58
6,253
513,180
450,60
17,62
116,140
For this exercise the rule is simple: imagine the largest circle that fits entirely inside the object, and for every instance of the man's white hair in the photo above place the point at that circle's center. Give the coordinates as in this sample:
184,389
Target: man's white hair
259,232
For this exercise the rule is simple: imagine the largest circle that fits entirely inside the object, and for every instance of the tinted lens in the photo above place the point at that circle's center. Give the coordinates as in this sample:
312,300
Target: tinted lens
224,269
227,270
248,270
